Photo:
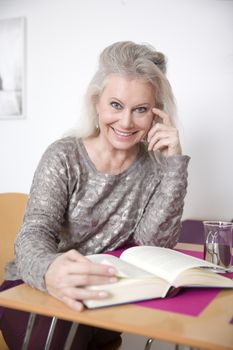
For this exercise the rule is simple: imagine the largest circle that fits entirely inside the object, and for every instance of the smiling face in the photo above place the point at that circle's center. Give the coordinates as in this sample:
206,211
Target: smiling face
125,111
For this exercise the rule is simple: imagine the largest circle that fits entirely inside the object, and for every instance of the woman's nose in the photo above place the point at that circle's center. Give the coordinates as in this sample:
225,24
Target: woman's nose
126,120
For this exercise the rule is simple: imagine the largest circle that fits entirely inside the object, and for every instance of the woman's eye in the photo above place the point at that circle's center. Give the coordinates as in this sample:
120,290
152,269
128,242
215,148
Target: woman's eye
116,105
141,109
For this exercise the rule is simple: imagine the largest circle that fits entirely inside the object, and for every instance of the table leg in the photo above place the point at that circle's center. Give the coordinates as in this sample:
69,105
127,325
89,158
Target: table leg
150,341
50,333
31,321
148,344
71,335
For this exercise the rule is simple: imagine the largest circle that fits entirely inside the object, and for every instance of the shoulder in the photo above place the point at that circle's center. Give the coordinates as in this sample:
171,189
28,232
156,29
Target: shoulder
63,148
63,145
62,152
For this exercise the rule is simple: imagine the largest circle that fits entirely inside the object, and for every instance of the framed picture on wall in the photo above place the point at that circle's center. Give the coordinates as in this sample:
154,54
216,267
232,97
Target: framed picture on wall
12,68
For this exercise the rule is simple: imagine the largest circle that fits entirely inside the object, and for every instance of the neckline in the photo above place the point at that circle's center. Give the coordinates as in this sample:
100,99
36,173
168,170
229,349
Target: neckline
100,173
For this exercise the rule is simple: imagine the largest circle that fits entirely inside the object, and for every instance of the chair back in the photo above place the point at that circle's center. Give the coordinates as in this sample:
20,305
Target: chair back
192,231
12,207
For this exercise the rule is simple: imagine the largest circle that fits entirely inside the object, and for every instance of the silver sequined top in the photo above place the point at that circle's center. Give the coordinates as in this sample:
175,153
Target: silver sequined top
72,205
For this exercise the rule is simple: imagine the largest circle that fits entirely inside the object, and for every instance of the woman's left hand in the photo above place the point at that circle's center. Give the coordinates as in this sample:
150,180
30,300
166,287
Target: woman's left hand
163,136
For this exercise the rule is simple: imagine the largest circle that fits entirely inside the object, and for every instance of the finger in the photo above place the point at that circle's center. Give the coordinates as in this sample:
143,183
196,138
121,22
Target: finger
159,128
168,146
156,129
73,304
89,268
83,280
157,137
161,144
164,116
74,255
84,294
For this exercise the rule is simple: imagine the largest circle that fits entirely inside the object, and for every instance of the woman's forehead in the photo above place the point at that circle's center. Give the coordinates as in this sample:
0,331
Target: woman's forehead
117,83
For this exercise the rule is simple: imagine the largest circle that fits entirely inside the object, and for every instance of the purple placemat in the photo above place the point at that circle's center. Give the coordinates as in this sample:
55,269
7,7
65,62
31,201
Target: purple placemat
189,301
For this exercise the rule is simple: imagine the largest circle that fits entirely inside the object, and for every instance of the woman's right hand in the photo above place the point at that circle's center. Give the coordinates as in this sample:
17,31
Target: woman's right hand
70,272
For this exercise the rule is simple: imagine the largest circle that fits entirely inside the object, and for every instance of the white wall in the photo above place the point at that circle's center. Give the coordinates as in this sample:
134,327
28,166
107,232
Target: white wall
64,38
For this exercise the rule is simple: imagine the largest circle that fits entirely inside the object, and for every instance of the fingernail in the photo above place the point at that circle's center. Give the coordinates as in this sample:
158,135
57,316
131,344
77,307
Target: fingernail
103,294
112,270
80,308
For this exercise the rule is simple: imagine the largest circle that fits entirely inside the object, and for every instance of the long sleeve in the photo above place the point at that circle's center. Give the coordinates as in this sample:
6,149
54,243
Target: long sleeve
74,206
160,222
37,241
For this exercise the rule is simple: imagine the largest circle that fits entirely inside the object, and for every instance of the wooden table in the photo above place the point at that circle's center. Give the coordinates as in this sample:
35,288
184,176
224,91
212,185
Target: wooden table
210,330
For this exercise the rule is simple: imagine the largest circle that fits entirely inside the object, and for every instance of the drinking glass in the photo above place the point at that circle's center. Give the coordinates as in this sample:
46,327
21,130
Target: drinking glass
218,242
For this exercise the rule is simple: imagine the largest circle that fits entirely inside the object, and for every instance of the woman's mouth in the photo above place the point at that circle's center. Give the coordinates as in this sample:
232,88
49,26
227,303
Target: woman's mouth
123,134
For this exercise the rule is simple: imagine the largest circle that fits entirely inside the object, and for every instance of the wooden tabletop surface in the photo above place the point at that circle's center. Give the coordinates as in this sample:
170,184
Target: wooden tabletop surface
211,329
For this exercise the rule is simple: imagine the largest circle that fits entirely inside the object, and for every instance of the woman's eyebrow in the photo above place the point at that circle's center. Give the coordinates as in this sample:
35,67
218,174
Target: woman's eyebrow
142,105
115,99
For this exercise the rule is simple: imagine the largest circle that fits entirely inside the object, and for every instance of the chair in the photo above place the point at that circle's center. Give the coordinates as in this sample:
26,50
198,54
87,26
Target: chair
12,207
192,231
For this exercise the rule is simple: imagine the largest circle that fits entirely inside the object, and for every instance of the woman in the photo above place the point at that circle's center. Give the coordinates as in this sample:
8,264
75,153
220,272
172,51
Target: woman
121,181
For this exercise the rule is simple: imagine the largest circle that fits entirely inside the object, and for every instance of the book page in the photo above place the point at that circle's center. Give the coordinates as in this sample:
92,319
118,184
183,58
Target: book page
124,269
133,282
129,290
163,262
202,277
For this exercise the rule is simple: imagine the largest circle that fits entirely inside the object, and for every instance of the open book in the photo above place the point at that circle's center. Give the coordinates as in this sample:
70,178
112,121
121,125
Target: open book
146,272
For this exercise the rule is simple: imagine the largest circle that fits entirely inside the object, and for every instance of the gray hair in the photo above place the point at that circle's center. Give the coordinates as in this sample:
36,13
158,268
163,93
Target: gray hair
129,59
